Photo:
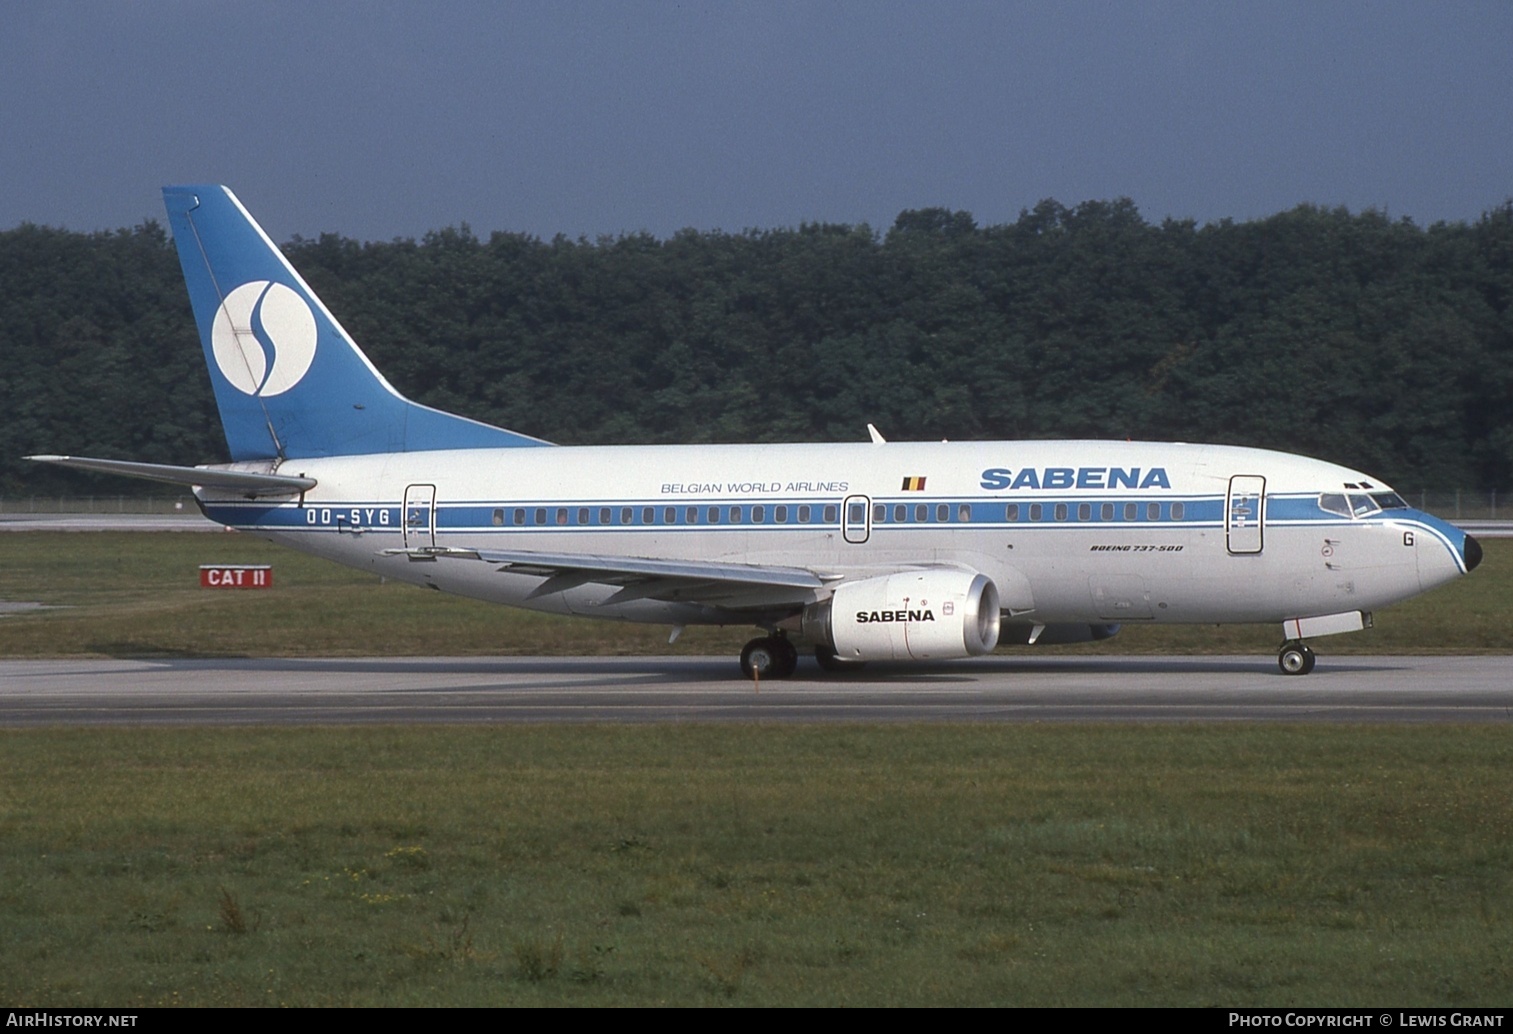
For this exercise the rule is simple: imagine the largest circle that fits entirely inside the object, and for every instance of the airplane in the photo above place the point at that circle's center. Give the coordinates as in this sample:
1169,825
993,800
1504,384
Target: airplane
877,550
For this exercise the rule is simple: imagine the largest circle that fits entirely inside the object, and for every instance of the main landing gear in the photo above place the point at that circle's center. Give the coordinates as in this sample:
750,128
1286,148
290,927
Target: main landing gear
1295,658
769,657
775,657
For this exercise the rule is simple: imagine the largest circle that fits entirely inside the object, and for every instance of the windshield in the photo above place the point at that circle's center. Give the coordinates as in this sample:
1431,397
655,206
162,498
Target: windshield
1334,502
1361,505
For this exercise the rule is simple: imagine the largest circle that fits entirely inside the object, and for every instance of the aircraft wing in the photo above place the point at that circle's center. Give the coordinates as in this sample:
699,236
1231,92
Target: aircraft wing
244,482
694,581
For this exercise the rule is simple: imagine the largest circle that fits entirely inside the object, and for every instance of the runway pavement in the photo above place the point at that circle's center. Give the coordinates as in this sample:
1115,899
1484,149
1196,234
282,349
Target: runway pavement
614,689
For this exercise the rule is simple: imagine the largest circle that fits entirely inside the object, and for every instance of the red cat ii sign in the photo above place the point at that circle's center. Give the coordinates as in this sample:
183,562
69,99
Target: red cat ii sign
236,576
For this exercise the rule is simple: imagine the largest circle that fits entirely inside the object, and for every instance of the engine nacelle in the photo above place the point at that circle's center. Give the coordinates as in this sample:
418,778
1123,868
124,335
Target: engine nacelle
909,615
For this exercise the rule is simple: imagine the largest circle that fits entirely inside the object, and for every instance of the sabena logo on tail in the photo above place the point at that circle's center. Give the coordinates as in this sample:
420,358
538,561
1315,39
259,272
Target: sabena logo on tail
263,338
289,382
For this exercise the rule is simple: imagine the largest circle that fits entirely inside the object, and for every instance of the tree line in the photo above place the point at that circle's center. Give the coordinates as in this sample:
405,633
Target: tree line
1370,341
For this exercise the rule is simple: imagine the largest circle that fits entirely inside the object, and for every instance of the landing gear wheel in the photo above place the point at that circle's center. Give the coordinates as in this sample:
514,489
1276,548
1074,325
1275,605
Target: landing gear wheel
1295,658
771,657
829,660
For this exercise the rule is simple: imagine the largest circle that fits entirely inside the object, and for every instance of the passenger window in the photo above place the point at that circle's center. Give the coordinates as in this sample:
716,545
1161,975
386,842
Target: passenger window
921,512
498,517
1106,512
735,515
519,516
670,515
1084,511
1035,511
583,515
1177,511
540,515
879,513
692,514
604,515
648,515
964,513
900,513
1061,511
780,514
832,512
1153,511
759,514
627,515
1130,511
1013,512
803,515
714,515
562,515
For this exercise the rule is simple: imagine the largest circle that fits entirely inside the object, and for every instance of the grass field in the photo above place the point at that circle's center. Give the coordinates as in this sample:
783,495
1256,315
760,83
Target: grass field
135,594
1011,865
703,865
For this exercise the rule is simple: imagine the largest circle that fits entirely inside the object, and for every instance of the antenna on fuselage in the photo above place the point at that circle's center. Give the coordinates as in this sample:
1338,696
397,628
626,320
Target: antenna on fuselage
877,436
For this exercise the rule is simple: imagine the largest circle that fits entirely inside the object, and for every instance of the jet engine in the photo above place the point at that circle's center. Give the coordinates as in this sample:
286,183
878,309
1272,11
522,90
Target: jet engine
908,615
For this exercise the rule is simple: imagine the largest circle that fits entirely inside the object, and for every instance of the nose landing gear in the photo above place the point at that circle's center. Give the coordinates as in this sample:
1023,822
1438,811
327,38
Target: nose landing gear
1295,658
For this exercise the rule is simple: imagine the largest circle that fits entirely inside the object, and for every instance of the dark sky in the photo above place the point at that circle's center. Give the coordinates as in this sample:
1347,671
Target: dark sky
381,120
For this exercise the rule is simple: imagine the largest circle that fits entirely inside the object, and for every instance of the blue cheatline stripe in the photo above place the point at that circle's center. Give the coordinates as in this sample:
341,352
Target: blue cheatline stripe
1012,514
1426,522
535,514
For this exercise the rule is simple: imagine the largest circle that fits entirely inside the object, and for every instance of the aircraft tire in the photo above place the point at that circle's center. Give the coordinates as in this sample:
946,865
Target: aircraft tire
1295,658
770,657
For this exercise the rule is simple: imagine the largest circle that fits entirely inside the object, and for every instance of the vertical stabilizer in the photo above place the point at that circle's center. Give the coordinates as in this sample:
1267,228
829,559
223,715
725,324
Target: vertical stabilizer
288,380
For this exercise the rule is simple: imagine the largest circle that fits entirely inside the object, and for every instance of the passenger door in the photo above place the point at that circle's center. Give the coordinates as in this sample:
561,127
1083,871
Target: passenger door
1245,514
420,516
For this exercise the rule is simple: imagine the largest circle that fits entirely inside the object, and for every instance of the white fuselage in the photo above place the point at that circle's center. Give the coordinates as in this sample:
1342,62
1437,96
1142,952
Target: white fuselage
1069,531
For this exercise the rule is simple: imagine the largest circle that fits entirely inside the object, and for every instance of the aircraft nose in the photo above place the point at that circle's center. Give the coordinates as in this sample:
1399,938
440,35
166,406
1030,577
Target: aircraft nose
1471,550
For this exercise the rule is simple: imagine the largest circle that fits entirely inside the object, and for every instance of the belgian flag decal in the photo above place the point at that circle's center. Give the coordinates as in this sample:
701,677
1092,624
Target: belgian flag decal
914,484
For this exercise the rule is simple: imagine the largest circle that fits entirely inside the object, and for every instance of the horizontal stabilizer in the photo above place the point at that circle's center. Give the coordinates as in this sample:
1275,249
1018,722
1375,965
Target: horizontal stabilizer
244,482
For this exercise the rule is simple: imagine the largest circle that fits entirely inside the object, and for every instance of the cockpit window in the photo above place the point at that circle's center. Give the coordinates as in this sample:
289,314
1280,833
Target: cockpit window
1359,504
1334,502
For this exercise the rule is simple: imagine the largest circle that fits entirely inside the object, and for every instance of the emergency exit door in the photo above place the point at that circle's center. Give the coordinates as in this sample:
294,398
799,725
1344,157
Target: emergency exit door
856,519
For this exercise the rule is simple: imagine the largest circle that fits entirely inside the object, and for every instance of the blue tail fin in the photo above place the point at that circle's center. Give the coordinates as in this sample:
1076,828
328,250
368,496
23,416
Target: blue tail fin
288,380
